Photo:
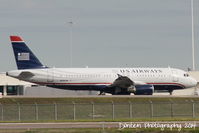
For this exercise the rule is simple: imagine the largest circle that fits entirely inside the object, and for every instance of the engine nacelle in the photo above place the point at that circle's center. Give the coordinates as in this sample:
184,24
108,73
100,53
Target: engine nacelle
144,89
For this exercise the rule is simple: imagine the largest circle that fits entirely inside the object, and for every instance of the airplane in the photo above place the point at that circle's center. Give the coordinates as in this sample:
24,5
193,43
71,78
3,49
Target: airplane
116,81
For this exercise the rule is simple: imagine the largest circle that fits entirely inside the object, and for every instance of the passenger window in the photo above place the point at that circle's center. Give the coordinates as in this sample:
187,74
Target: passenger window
186,75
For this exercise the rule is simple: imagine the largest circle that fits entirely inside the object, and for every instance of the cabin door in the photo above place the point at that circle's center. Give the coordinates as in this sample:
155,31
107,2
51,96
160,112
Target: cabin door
174,76
50,75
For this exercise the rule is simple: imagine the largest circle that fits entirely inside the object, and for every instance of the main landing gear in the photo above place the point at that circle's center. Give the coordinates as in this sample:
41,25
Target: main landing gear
102,93
171,92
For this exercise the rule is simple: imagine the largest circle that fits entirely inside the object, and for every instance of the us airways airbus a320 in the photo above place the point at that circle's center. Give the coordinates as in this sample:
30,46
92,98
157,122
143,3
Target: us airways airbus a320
117,81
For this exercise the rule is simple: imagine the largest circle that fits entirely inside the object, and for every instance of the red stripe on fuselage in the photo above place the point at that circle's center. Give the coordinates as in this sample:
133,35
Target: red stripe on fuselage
167,84
71,83
177,84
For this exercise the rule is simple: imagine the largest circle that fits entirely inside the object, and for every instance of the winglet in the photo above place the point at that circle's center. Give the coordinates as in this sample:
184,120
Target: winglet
16,39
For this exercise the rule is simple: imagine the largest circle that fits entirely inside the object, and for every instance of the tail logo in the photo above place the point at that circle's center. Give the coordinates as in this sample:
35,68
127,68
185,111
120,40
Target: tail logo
23,56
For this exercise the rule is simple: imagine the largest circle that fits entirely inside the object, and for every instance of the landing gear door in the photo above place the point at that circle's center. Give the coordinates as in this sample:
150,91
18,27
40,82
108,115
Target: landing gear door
50,75
174,76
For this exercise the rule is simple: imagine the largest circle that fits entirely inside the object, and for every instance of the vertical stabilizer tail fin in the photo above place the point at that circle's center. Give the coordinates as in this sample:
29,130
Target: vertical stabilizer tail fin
24,57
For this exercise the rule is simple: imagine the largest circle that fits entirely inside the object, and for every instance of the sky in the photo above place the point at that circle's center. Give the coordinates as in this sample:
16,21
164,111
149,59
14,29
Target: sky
104,33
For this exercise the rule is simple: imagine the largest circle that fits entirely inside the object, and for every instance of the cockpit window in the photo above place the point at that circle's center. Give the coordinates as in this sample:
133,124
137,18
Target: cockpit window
186,75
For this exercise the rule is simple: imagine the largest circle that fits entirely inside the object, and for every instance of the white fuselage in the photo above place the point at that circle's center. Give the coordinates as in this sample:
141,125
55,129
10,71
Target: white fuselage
122,81
69,77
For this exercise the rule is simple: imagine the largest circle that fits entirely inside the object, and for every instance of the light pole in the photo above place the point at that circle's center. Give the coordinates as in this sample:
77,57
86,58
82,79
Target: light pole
193,45
70,22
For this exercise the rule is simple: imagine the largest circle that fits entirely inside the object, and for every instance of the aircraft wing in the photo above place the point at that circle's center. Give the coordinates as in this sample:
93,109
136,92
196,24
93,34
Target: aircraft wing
122,82
124,85
125,82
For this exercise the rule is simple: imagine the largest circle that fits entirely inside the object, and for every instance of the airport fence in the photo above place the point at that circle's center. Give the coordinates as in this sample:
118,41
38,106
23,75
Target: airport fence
98,111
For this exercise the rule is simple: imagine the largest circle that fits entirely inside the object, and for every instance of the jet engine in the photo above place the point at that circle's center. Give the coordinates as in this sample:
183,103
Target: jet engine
144,89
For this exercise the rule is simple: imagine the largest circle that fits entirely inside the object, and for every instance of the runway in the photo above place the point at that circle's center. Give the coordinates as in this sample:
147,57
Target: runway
103,125
106,96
